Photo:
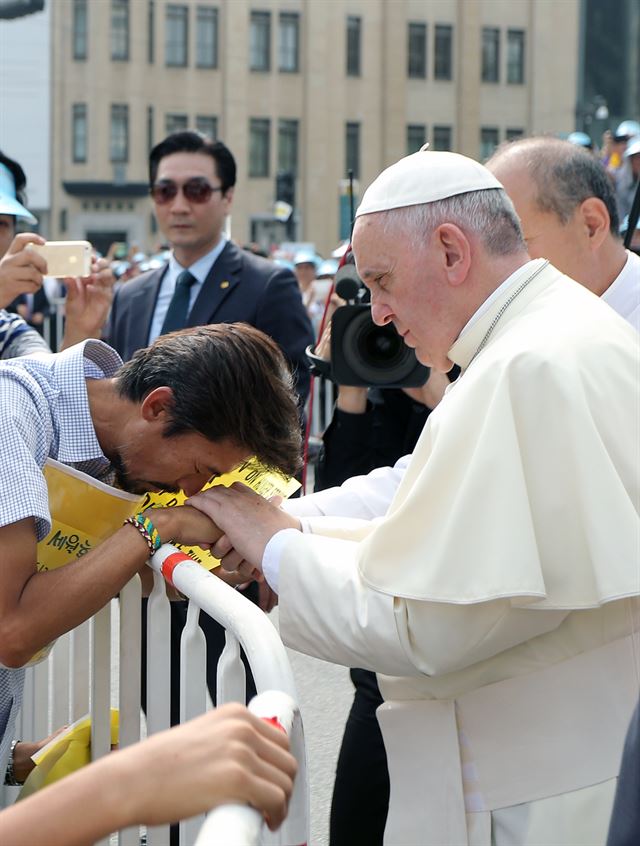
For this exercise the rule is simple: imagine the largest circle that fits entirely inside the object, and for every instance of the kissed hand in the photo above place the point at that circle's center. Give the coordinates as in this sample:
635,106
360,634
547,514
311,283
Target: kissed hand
248,520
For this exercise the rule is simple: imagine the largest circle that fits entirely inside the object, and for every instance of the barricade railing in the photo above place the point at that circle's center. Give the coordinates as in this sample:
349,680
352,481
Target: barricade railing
97,667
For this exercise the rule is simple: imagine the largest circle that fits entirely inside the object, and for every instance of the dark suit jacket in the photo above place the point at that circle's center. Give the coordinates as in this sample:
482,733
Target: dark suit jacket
625,819
240,287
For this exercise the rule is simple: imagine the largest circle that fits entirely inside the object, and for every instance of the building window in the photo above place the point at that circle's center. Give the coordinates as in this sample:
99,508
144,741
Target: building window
354,32
176,36
441,138
119,138
489,139
259,151
490,54
352,149
207,125
120,30
289,42
288,146
443,64
151,31
515,56
260,41
150,128
79,131
417,51
514,134
206,37
80,29
175,123
416,136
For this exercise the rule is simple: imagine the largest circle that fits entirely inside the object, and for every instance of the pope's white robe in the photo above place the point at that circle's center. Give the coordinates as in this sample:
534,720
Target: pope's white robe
506,571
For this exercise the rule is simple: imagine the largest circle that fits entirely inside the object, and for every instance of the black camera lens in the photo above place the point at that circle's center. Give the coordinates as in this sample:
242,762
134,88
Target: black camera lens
365,354
380,345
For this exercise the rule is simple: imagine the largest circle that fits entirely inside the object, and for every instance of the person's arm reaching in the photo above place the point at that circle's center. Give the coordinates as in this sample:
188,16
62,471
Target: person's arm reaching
227,755
87,304
37,607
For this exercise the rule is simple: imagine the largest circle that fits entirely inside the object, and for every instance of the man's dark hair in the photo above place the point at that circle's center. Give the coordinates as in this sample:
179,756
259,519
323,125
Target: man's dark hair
230,382
19,177
565,176
193,142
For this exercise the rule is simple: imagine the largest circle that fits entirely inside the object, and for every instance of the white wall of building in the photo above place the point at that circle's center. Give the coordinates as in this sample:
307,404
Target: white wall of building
25,101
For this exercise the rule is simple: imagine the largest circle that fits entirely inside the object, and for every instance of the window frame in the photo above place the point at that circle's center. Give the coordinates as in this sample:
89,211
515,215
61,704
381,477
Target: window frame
417,32
353,56
289,21
176,14
288,133
120,27
150,127
490,55
494,141
151,31
79,117
119,112
207,15
352,150
213,120
516,63
260,30
412,145
80,30
259,130
443,61
175,122
438,129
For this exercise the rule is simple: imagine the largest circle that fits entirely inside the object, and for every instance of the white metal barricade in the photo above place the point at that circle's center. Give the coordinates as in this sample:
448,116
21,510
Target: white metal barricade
97,666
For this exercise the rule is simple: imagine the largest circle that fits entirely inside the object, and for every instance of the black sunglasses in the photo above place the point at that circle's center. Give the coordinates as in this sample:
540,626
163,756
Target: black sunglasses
195,190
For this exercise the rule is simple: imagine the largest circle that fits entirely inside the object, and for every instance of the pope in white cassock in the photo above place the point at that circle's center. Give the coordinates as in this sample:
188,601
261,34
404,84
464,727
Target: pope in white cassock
498,597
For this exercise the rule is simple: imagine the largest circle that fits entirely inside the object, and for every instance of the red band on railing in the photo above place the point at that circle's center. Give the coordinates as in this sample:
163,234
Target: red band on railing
275,722
171,562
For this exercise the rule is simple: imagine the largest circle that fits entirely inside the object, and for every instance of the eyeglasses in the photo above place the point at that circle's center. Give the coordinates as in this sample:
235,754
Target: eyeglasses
195,190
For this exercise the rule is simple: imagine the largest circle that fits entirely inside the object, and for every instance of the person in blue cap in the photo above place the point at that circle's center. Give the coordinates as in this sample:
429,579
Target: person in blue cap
22,272
580,139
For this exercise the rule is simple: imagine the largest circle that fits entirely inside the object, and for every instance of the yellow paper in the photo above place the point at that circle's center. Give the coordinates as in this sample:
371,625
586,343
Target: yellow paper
66,753
252,474
84,512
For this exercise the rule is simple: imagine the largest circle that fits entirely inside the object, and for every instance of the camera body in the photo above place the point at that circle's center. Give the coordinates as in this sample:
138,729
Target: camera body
362,353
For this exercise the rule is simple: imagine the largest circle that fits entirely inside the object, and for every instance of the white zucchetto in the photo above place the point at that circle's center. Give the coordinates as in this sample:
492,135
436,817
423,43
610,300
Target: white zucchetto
424,177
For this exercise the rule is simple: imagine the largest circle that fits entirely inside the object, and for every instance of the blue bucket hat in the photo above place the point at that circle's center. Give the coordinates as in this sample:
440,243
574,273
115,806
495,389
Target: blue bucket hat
8,201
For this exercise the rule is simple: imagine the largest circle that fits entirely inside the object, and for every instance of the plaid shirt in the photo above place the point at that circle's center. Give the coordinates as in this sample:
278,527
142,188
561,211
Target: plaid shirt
44,413
18,338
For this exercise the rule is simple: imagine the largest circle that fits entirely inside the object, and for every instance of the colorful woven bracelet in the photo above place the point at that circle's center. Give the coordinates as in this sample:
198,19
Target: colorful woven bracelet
147,530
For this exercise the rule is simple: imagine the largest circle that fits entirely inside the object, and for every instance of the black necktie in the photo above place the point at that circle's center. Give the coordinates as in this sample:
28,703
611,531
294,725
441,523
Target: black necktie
176,316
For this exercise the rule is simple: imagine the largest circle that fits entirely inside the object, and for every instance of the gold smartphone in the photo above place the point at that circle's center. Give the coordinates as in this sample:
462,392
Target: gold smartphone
65,258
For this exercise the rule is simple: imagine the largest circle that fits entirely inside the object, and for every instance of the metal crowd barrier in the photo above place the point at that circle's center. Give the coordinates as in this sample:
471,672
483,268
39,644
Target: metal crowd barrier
97,667
322,403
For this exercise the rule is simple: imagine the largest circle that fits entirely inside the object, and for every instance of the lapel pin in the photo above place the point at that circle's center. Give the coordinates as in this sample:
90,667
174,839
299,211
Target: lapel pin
224,284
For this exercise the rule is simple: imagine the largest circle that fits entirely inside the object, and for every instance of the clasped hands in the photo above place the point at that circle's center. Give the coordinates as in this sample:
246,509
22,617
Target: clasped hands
248,522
